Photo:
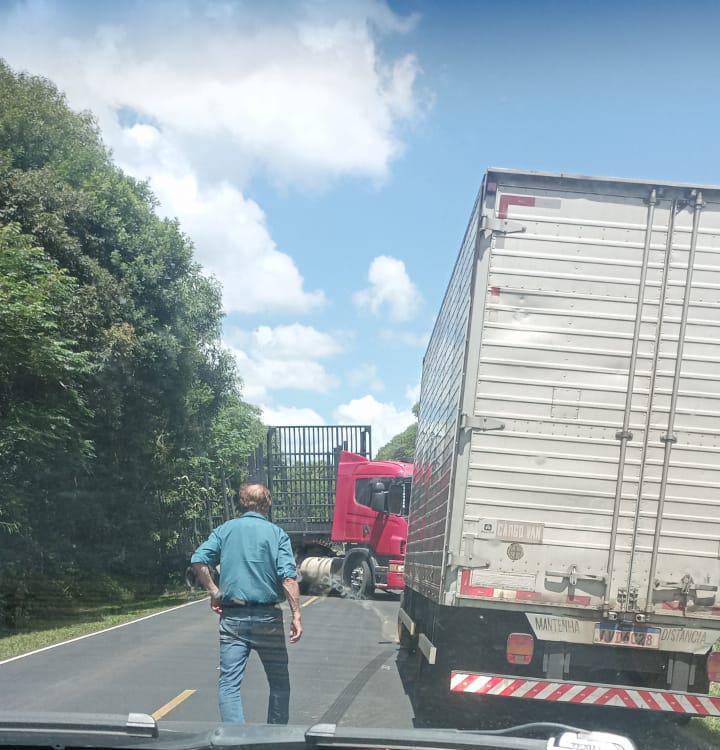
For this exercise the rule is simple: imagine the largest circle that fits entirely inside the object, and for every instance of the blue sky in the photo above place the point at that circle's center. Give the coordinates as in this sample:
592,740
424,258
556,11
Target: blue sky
300,143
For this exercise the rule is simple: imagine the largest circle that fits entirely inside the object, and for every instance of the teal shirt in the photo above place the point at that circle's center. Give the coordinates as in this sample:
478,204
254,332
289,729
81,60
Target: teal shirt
255,557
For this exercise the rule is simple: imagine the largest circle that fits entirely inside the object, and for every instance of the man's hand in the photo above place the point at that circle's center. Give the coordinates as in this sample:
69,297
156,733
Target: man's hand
292,594
216,601
206,581
296,629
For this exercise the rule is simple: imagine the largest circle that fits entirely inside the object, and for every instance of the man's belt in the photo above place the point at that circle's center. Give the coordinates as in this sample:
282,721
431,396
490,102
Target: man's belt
242,603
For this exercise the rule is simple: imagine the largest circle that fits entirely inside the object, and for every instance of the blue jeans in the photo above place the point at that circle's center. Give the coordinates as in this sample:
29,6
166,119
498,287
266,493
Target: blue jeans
244,629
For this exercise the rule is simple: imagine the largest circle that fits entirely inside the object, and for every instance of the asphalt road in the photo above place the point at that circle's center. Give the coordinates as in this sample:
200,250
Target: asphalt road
347,669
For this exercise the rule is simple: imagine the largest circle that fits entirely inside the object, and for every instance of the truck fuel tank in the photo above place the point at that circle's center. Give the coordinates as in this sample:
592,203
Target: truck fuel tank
322,573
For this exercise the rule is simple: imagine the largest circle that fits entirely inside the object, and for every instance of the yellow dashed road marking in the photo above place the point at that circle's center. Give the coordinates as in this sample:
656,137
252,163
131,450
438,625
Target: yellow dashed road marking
174,703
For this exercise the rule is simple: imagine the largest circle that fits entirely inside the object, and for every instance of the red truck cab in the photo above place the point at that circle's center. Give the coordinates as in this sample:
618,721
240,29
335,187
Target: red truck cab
346,515
372,502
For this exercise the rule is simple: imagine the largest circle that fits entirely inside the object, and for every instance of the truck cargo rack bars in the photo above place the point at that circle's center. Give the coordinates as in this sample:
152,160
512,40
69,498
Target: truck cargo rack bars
299,464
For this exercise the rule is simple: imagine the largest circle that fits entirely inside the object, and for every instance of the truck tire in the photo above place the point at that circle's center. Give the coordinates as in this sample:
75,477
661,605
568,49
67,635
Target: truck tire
359,579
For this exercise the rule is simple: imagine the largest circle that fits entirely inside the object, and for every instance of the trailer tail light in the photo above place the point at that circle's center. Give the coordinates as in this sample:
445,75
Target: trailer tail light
713,666
520,648
396,575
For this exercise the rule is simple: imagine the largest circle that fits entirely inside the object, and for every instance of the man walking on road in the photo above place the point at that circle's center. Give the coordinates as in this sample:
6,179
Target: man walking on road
256,568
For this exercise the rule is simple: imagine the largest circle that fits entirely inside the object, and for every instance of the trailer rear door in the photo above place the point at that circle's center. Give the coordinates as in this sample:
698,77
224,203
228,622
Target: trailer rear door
676,540
562,493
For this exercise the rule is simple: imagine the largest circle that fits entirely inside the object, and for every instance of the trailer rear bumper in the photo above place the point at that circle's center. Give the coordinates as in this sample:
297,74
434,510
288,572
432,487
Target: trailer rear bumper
585,693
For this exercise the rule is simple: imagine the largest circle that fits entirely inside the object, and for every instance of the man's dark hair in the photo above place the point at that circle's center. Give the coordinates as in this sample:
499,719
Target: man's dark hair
255,497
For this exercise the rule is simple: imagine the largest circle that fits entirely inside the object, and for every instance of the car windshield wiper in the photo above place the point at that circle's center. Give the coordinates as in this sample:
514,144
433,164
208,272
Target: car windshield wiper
141,732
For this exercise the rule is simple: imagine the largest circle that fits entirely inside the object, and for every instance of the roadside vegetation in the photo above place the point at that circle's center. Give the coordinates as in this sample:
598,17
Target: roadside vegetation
402,446
121,416
50,627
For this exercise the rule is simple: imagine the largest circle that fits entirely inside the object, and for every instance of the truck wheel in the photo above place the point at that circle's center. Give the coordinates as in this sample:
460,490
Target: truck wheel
359,580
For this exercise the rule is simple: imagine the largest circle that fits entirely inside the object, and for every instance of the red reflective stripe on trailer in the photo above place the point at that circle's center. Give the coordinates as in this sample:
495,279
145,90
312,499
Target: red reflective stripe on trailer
583,601
563,691
672,605
648,698
674,703
559,692
461,686
513,200
535,689
469,590
606,696
628,700
580,697
697,705
512,687
489,685
526,595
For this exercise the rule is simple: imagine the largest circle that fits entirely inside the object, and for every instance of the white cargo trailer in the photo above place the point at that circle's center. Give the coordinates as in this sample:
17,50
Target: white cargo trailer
564,540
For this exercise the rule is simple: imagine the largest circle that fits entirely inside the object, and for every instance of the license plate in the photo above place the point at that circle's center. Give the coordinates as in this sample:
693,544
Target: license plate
631,637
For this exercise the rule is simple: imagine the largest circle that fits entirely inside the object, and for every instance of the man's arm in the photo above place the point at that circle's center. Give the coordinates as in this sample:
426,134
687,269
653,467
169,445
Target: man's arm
206,555
287,573
292,593
205,577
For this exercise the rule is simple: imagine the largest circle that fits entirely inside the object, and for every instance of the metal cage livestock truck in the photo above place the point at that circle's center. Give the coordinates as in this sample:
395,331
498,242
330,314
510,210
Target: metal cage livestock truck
564,536
346,515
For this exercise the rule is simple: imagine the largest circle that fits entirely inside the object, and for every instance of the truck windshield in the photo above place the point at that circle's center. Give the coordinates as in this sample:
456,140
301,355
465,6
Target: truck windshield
398,493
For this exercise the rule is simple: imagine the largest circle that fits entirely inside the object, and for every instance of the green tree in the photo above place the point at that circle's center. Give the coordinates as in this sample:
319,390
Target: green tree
117,400
41,376
402,446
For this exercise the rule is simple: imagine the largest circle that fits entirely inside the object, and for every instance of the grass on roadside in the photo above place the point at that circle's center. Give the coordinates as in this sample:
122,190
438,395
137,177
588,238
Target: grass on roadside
83,620
709,728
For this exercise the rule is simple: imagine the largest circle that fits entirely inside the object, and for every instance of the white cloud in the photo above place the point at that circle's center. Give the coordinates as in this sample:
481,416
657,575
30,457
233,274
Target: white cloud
366,375
233,243
408,338
261,375
412,393
385,419
282,415
220,91
390,289
283,358
296,340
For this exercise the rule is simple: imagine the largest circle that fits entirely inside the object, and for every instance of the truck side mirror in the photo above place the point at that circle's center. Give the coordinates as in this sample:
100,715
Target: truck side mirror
378,498
395,500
